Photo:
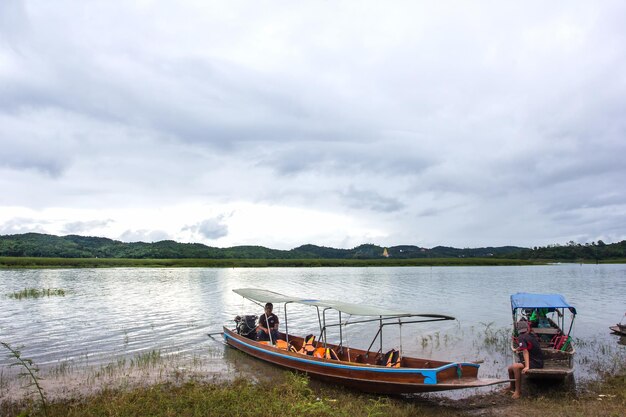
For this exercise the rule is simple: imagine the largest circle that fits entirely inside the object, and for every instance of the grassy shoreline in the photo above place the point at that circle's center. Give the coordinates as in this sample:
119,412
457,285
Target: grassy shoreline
50,263
293,395
33,262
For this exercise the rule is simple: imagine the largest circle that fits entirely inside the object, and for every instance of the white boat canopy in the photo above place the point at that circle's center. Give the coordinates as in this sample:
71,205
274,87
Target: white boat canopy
265,296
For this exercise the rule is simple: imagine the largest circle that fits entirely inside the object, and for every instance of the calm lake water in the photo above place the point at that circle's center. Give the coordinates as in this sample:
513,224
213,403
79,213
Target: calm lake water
110,315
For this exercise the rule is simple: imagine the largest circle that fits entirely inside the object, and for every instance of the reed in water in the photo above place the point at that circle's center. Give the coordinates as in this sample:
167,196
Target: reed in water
37,293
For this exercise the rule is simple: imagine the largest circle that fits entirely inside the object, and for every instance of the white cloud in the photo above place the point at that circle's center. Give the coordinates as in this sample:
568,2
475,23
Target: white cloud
17,225
141,235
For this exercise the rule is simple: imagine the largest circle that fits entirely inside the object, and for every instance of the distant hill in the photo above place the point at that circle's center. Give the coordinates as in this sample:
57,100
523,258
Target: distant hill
74,246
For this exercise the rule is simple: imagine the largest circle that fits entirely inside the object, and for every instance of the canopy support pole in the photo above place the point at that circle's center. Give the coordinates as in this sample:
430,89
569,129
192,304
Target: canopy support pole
400,327
381,336
340,334
347,341
319,320
286,327
373,341
571,324
324,323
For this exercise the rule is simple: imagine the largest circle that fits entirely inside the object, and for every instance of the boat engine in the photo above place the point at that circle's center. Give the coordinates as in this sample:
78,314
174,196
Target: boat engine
246,326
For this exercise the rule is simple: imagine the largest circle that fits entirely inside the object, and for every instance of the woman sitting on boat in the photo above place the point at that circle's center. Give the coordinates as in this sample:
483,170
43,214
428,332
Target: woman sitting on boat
268,325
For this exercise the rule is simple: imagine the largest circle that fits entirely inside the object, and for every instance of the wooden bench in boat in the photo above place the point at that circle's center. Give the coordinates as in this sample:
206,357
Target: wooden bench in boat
549,372
546,330
546,335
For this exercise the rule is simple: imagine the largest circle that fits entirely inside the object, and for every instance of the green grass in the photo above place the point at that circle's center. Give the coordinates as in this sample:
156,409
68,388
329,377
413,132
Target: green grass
37,293
613,261
32,262
292,395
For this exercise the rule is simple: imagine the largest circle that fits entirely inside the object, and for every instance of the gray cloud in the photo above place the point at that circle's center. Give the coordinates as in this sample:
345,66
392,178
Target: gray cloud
85,227
372,201
27,148
209,228
357,154
423,119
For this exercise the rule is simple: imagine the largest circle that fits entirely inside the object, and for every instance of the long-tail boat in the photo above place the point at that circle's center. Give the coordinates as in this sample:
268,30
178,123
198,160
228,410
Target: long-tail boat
363,369
548,315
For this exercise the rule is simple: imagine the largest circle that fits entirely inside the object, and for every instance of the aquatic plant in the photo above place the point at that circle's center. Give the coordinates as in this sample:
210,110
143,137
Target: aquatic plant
30,371
63,368
36,293
4,383
497,339
143,360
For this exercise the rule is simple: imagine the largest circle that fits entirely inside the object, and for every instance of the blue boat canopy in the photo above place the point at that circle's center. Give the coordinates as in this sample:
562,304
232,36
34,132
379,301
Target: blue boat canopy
528,300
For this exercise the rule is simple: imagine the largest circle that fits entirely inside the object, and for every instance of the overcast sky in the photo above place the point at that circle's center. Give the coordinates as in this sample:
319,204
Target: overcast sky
335,123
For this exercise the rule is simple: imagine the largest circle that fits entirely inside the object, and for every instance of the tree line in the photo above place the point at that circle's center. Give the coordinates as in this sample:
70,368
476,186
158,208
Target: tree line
572,251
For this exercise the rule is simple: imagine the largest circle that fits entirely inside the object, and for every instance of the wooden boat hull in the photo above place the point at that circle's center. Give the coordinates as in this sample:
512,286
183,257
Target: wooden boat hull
618,329
433,376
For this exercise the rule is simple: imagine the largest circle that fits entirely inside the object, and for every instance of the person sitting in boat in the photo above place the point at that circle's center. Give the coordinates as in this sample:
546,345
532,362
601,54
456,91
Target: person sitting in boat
538,318
531,356
267,328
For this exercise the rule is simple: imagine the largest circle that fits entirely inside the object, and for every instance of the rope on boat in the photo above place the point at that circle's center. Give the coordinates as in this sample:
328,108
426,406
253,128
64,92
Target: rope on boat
211,335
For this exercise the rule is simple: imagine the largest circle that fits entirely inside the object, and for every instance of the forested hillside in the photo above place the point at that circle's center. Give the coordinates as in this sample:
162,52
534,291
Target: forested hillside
573,251
73,246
